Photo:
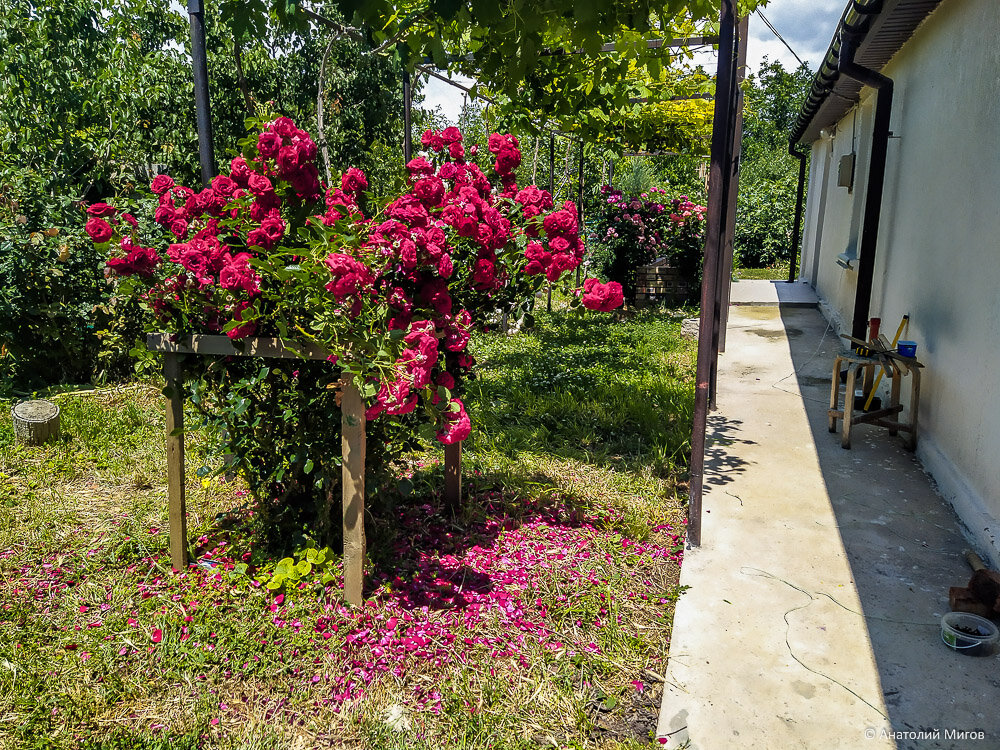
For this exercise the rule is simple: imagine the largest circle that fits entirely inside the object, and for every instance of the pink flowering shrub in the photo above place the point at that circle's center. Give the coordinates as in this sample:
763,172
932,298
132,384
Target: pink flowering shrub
633,230
392,291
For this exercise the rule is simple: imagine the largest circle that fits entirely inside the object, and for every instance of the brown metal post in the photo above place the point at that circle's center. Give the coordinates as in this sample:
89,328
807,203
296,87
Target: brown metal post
726,272
579,203
552,191
721,141
352,409
407,114
453,474
177,513
797,224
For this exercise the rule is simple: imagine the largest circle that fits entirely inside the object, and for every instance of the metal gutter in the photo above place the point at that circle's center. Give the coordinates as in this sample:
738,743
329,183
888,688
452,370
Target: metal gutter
882,28
876,177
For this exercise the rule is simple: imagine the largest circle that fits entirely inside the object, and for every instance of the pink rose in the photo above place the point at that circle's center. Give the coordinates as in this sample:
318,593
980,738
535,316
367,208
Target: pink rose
224,186
457,426
259,185
602,297
268,145
353,180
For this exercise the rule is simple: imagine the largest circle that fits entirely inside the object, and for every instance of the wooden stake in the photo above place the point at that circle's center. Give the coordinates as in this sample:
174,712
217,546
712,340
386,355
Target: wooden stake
352,408
453,474
175,462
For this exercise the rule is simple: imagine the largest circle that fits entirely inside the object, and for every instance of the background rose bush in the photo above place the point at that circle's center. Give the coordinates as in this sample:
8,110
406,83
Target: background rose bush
633,230
392,291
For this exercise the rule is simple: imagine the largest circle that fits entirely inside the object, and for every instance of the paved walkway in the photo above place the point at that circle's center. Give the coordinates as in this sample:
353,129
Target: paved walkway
812,618
758,292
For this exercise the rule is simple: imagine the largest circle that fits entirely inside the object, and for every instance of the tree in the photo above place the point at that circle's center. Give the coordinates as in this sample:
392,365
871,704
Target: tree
97,95
768,173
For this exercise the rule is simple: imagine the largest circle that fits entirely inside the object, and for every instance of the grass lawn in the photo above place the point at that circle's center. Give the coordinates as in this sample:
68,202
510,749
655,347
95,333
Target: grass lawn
537,616
779,272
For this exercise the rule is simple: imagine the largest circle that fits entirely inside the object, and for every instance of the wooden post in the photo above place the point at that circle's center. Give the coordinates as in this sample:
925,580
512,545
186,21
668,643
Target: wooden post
453,474
352,408
175,462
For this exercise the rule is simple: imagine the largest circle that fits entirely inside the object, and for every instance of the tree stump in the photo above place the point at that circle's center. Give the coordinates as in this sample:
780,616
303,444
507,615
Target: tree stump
35,422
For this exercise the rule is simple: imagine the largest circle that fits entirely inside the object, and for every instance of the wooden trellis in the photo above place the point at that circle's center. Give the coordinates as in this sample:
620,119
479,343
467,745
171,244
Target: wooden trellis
352,443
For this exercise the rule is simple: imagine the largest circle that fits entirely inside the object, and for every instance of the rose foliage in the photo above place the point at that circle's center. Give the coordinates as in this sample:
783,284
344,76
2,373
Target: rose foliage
392,292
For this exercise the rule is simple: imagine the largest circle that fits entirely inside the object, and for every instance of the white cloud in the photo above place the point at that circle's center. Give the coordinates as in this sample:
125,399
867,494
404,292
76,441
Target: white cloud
807,26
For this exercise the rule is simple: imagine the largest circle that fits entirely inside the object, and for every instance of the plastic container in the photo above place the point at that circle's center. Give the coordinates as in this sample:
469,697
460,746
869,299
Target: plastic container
907,348
968,634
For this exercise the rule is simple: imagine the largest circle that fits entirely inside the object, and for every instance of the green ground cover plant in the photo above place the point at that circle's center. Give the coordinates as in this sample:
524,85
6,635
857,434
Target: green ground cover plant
537,615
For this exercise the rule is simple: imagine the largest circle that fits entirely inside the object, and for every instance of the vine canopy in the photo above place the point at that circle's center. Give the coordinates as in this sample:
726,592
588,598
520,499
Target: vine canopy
604,70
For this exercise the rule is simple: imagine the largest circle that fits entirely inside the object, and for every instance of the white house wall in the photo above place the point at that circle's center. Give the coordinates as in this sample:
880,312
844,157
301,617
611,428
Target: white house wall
938,255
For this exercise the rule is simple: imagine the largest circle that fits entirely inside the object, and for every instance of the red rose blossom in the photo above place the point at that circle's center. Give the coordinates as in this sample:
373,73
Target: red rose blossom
99,230
602,297
161,184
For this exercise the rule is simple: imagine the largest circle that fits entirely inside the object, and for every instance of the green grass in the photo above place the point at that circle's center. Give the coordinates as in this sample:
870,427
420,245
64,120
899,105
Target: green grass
778,272
572,478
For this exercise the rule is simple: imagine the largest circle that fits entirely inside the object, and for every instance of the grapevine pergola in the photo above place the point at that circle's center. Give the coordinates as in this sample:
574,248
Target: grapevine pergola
717,268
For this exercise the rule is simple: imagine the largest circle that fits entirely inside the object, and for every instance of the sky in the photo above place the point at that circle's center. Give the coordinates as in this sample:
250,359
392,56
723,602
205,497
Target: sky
807,26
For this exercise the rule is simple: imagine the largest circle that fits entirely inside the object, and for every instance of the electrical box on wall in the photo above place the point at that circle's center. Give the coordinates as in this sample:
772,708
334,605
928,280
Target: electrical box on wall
845,174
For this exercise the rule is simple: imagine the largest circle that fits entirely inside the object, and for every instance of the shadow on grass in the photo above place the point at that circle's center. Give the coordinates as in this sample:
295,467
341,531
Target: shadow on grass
609,393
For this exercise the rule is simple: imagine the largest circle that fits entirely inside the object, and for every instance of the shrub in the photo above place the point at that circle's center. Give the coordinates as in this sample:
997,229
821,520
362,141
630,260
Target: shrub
51,287
634,230
391,291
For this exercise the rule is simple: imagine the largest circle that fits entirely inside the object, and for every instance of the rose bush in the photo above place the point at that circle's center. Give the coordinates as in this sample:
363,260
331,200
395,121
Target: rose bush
633,230
392,292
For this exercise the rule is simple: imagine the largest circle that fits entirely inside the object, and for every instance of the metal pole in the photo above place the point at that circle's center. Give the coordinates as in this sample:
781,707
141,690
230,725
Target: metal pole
552,191
203,107
721,141
726,273
579,203
797,225
407,109
876,176
552,166
726,200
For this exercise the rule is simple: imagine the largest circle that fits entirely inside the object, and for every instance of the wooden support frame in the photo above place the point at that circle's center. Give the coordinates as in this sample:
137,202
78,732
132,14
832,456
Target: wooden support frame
175,462
352,435
887,417
453,475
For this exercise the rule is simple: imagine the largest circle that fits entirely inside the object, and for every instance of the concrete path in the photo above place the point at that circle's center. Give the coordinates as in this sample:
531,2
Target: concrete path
757,292
812,617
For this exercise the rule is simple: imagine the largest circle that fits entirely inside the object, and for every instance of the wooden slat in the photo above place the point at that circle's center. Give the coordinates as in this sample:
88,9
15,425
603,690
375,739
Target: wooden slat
453,474
352,408
224,346
175,462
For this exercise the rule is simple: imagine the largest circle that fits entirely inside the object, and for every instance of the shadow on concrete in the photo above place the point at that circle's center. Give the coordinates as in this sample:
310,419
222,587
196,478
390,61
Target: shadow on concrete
904,546
721,464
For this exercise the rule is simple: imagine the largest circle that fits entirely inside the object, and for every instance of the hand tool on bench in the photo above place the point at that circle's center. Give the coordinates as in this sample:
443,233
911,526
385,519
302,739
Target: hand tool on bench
895,341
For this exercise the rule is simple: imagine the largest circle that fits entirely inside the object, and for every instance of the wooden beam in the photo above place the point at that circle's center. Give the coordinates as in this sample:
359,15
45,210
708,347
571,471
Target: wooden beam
175,462
726,270
225,346
352,409
453,475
